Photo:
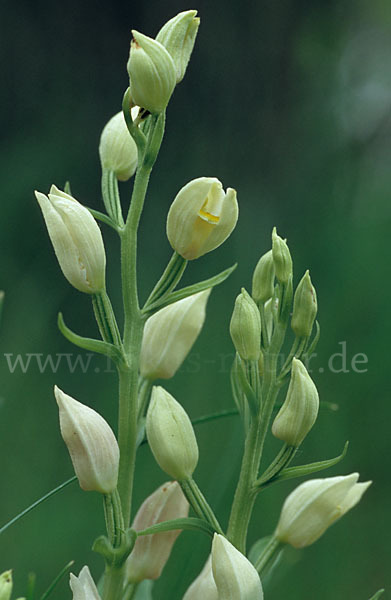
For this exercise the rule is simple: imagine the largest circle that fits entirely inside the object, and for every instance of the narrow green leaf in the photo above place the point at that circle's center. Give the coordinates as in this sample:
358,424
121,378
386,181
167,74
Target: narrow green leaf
214,416
377,595
141,439
1,304
189,523
103,218
30,592
56,580
192,289
302,470
98,346
310,350
37,503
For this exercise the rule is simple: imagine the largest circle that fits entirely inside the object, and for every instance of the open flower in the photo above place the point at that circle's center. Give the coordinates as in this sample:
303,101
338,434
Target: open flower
201,217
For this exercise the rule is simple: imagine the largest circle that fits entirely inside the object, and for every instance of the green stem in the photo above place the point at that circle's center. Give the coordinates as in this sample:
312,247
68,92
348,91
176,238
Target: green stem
127,435
113,583
199,503
133,321
269,552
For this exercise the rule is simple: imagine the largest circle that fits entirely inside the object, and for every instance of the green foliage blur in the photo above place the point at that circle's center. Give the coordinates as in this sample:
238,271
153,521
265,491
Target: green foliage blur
289,102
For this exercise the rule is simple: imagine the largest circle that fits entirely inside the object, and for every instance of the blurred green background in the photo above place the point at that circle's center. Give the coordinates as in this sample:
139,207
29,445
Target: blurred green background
290,103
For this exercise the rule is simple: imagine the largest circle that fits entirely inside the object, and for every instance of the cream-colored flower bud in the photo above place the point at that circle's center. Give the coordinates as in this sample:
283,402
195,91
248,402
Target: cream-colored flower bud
315,505
151,552
83,586
305,307
263,278
201,217
281,258
204,585
152,73
235,577
6,585
178,36
117,148
171,435
91,443
76,239
245,327
300,409
170,334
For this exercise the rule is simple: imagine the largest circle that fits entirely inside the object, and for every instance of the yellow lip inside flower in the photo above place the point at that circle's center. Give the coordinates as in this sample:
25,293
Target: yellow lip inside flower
201,217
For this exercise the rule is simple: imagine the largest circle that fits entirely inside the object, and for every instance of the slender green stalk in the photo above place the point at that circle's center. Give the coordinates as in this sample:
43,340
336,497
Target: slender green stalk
269,553
133,321
113,583
130,591
199,504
